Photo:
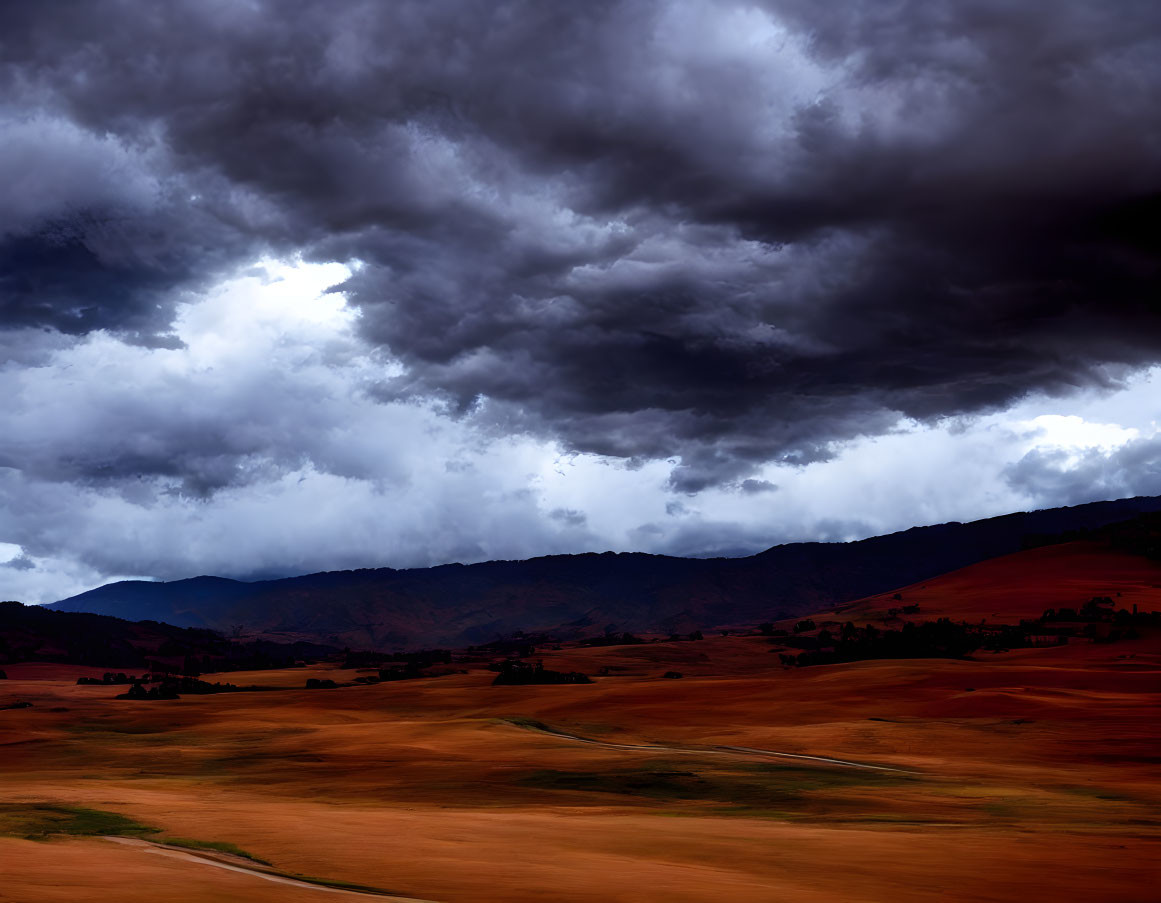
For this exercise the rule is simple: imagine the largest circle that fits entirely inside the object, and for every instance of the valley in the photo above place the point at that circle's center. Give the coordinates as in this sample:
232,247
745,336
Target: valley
1024,774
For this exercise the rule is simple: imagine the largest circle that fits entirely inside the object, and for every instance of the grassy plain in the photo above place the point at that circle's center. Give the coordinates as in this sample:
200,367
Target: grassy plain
1028,775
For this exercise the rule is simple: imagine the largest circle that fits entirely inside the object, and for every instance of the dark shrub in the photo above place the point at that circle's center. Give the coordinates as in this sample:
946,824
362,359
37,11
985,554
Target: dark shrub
613,639
410,671
137,691
673,675
513,673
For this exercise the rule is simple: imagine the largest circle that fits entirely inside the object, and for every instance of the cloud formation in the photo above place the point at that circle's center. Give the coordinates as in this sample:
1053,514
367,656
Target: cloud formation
706,245
253,449
724,232
1094,474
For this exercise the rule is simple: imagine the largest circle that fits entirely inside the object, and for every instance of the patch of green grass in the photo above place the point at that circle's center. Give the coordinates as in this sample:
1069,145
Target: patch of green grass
747,788
40,821
43,820
1005,809
596,728
888,818
1100,793
650,784
342,885
753,812
219,846
802,777
107,730
529,724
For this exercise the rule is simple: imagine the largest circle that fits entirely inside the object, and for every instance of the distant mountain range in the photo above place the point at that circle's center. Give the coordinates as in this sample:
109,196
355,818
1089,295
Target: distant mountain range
579,595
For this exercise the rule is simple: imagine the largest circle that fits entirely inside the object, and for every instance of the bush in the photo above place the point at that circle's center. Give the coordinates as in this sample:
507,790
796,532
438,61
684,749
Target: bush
410,671
325,683
612,639
107,679
673,675
165,690
514,673
176,687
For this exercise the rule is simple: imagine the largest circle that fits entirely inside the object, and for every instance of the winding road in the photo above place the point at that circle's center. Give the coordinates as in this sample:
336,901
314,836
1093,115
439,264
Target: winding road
746,751
237,864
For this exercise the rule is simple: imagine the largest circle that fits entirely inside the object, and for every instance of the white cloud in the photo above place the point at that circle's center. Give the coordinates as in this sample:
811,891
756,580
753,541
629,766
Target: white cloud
1073,433
261,448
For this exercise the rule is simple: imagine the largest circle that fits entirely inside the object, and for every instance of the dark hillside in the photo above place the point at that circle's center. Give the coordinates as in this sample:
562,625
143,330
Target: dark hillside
37,633
576,595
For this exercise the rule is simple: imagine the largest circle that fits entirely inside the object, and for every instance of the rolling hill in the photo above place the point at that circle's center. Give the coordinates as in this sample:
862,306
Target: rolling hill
36,633
575,595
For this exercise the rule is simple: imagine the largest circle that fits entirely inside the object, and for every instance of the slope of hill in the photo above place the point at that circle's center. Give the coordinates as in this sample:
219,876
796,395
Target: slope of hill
1000,776
35,633
572,595
1025,584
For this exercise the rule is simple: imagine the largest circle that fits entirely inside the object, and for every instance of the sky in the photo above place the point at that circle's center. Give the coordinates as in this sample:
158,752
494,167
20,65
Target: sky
302,285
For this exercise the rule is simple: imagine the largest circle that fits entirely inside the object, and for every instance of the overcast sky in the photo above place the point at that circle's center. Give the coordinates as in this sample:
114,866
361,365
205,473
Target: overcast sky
303,285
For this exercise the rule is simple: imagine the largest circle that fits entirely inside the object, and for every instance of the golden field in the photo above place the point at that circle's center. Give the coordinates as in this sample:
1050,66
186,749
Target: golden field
1027,775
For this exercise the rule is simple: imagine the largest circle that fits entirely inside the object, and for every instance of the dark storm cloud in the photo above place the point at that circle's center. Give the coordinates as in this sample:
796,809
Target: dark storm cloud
731,233
98,231
569,517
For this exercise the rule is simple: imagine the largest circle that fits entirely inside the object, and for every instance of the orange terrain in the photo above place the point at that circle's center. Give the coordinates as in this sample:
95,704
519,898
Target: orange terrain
1027,775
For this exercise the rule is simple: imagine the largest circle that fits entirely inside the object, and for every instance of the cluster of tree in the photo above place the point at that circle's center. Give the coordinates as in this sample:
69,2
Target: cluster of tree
1103,609
678,637
253,655
108,679
409,671
1096,620
424,658
320,683
403,665
933,639
612,638
518,645
176,687
1140,535
798,641
515,672
1102,621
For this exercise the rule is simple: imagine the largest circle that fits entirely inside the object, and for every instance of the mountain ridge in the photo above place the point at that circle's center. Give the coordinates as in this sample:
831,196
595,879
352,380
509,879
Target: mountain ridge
573,595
